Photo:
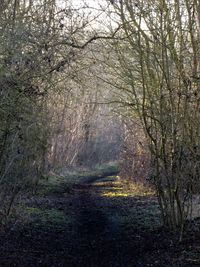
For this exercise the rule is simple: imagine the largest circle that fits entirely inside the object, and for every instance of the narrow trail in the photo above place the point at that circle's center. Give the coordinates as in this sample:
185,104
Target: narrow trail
90,235
96,233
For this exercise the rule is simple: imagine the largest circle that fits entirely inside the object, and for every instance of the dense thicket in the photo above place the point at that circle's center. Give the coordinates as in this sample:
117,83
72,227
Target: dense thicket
57,77
158,55
48,109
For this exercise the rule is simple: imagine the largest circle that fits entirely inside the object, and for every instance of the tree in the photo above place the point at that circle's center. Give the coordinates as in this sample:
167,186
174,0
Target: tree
36,44
159,75
42,44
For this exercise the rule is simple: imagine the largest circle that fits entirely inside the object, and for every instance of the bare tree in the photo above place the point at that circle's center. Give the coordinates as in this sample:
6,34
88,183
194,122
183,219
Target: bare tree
159,75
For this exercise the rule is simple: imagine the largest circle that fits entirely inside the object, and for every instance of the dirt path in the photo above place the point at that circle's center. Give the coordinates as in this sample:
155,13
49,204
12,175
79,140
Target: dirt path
93,231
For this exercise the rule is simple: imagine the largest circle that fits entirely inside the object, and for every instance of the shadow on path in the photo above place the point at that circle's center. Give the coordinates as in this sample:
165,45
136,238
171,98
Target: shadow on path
98,233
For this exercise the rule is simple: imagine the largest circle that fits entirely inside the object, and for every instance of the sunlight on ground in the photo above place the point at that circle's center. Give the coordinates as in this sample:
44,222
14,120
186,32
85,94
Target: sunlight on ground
119,188
130,206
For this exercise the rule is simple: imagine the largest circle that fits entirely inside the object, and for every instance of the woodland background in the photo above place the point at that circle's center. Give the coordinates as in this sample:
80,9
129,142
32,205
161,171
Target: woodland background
83,85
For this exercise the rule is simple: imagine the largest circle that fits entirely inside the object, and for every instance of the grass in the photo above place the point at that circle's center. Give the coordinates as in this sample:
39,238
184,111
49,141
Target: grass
119,193
54,184
44,217
134,205
107,169
58,185
119,188
63,183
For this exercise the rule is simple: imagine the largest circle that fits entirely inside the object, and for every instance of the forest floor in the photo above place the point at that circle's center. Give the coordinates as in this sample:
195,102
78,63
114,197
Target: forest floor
94,222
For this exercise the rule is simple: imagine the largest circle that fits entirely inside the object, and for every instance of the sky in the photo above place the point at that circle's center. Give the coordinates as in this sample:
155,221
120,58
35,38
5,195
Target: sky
93,8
